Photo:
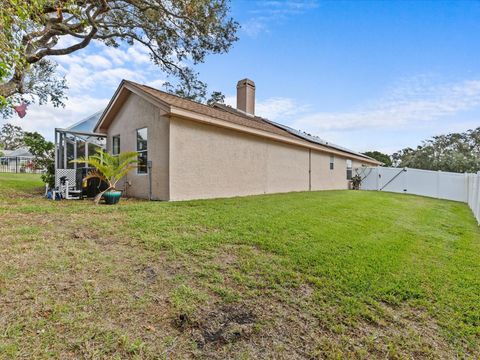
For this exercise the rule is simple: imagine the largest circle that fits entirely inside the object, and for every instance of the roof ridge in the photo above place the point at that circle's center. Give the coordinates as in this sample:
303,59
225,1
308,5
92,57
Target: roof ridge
237,112
169,93
234,111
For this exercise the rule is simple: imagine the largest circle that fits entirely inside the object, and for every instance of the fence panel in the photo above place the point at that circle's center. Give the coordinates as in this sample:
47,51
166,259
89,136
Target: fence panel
422,182
438,184
391,179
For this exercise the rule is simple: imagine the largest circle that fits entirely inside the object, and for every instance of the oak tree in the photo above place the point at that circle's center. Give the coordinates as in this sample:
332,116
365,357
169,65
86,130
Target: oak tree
11,137
177,33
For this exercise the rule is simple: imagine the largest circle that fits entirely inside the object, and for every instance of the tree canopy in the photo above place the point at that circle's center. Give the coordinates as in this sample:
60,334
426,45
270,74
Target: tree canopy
43,152
457,152
377,155
177,33
11,137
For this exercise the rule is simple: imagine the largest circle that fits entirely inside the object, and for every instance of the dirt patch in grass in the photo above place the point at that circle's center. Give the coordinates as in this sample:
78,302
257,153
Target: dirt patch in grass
225,325
285,321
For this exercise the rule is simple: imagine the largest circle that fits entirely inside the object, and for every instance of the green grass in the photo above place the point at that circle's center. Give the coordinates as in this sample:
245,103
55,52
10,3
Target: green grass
20,182
329,274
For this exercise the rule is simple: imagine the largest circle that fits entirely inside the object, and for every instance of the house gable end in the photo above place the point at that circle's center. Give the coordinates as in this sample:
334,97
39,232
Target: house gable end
124,90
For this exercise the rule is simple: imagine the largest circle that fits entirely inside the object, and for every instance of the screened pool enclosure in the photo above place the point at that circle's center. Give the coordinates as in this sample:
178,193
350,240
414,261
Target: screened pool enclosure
70,145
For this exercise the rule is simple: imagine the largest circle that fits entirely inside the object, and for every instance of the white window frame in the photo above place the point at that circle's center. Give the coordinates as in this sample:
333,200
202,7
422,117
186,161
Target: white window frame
119,144
349,168
141,151
332,162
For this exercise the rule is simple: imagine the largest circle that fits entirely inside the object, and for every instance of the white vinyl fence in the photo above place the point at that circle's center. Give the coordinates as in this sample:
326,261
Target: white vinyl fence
438,184
473,194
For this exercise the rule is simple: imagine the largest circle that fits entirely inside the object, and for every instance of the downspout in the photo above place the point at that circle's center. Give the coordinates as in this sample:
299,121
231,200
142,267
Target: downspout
149,169
309,169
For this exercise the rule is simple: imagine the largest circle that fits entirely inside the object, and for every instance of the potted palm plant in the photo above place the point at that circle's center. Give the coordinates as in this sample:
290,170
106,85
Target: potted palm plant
109,169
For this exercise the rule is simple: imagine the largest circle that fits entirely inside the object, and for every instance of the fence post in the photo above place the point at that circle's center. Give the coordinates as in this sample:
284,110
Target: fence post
405,180
477,190
16,164
379,176
466,187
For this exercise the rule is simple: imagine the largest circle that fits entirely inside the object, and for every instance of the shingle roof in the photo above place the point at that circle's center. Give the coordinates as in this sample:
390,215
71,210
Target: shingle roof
17,152
216,112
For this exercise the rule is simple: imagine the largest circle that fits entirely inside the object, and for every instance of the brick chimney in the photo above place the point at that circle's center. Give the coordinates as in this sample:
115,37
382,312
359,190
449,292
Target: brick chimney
246,96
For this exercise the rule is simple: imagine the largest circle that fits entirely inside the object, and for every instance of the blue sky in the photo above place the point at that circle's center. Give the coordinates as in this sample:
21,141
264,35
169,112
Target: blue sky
378,75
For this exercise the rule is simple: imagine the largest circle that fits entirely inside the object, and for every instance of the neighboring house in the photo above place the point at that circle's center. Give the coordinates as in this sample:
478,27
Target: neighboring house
197,151
19,160
20,152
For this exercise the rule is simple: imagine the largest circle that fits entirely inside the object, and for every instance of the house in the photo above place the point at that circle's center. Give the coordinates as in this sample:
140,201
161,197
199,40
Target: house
19,160
187,150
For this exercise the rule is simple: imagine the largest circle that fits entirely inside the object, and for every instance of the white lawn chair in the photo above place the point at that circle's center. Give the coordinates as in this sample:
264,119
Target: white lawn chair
66,188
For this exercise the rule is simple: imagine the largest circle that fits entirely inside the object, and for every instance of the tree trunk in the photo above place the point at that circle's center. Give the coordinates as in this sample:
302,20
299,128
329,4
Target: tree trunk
9,88
97,198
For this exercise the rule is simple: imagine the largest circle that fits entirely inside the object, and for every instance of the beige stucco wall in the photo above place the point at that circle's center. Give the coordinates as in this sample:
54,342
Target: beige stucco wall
325,179
207,161
138,113
358,164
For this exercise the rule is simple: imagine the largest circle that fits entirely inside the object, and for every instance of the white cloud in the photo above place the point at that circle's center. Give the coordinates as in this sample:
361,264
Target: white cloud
267,12
98,61
277,108
117,55
284,7
254,27
112,77
158,83
66,41
92,76
231,100
46,118
139,54
412,102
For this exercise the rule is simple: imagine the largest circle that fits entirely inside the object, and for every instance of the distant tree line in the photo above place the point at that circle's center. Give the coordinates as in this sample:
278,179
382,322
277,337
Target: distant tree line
456,152
377,155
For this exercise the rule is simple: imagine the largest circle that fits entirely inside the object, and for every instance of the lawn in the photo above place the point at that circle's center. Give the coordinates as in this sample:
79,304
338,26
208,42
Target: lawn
333,274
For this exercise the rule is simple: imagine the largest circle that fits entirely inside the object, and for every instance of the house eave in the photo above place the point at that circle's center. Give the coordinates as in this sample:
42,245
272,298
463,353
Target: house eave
121,94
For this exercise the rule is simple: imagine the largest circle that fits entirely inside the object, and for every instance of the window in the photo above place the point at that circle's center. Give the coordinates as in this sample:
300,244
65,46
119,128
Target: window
349,169
142,151
116,145
332,162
